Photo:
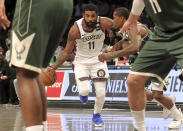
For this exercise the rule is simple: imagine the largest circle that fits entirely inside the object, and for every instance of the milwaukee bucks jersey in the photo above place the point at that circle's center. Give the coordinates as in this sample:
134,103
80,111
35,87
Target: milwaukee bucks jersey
167,16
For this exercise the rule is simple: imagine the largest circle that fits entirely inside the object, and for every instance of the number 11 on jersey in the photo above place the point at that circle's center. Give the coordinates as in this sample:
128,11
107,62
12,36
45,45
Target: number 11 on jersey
91,45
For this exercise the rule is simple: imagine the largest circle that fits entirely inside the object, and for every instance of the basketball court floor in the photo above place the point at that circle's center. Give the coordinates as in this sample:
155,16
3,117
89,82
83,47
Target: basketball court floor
78,119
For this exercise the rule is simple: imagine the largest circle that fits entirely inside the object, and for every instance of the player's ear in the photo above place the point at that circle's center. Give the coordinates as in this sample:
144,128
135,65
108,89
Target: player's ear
83,14
122,18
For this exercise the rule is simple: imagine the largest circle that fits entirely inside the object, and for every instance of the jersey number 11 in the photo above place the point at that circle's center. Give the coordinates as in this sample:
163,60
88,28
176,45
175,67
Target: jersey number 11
91,45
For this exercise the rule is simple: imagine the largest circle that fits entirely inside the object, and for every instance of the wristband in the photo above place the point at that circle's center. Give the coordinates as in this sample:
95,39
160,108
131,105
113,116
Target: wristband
113,55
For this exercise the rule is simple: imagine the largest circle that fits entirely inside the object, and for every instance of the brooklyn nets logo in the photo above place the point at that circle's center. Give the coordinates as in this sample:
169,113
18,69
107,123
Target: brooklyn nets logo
101,73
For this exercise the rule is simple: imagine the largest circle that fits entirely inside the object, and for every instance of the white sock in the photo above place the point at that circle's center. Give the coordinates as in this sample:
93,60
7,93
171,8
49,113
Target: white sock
176,114
35,128
45,125
139,117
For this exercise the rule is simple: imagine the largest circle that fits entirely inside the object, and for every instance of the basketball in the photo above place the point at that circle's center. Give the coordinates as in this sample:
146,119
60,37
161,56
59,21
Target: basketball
48,76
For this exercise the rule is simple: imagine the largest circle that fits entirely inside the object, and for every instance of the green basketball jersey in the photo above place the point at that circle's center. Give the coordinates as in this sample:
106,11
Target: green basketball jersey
167,16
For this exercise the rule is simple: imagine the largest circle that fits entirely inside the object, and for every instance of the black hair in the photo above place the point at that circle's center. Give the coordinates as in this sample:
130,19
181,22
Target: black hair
121,11
90,7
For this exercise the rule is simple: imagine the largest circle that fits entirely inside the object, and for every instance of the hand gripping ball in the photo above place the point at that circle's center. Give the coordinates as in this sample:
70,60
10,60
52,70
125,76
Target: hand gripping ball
48,76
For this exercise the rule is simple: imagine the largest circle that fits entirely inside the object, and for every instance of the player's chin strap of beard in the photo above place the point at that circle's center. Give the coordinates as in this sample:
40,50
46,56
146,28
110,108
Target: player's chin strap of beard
93,25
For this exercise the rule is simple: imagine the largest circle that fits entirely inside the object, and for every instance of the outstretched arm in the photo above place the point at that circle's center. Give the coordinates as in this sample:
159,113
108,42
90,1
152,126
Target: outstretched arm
131,49
136,39
68,49
117,45
4,22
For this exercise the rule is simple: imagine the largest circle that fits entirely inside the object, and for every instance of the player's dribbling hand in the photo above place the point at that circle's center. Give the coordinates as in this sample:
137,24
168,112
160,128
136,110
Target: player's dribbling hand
48,76
4,22
104,57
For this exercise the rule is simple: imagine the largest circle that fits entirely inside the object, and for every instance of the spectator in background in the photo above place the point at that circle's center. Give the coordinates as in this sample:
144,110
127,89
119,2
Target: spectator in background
113,6
4,84
6,77
103,7
13,99
8,43
78,9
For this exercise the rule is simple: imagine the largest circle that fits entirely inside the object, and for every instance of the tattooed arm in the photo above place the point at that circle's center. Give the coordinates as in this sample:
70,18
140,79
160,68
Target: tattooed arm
72,36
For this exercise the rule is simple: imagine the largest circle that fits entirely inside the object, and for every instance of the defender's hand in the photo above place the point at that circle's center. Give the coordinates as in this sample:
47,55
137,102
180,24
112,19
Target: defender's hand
127,26
104,57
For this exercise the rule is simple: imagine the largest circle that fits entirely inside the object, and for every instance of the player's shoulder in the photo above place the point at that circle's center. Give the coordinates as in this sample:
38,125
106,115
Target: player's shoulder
106,23
106,20
74,30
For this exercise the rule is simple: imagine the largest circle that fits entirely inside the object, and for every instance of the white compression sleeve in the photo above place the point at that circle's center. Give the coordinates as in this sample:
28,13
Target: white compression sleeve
138,6
100,96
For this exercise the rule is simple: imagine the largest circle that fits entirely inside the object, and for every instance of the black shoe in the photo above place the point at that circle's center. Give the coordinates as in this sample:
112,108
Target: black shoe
135,129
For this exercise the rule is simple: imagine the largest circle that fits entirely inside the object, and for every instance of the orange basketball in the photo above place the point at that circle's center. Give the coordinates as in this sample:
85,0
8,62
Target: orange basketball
48,76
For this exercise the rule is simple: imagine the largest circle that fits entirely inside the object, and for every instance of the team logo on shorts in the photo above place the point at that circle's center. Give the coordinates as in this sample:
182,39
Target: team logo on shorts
19,50
101,73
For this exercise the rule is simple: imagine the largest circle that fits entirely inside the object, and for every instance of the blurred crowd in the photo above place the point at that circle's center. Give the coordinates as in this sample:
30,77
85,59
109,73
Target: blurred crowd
106,8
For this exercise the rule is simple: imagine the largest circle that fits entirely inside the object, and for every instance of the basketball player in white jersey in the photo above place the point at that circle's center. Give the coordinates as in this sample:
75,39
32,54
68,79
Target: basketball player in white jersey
87,37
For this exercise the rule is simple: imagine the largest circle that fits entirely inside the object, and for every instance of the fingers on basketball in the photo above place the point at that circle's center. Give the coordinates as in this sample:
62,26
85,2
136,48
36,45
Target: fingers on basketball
49,77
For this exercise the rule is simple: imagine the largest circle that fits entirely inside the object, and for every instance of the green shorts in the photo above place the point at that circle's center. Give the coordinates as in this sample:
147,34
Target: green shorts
37,27
157,58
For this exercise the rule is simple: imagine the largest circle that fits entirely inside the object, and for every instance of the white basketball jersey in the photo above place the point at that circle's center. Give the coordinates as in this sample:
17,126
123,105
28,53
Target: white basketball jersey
89,46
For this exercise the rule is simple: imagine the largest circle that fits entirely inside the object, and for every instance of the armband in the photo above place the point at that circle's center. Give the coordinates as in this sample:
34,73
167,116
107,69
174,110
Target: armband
113,55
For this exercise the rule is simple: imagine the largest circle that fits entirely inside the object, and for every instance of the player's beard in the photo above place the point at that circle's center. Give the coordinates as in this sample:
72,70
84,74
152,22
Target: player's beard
90,24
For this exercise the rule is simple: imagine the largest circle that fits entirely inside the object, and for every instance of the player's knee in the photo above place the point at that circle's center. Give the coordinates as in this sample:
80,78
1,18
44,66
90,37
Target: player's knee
83,87
26,73
131,81
136,81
